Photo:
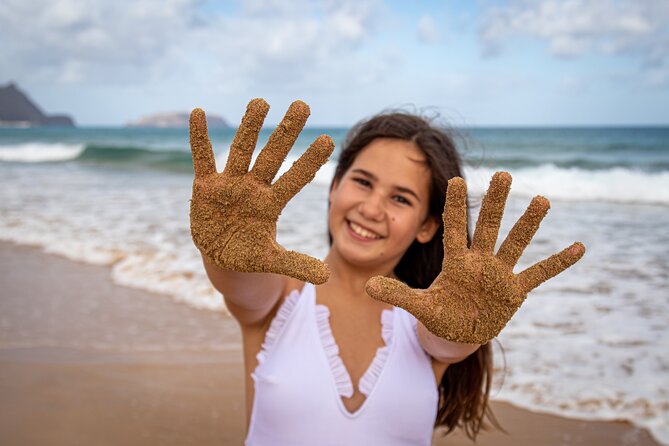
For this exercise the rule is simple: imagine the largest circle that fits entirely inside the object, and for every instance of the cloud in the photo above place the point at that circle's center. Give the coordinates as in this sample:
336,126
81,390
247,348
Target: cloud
82,40
270,42
290,48
577,27
427,30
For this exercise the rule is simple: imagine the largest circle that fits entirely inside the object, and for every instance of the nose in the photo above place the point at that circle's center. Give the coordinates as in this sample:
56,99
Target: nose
372,207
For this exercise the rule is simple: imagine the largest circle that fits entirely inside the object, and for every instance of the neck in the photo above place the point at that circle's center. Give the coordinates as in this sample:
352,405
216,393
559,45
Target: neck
350,279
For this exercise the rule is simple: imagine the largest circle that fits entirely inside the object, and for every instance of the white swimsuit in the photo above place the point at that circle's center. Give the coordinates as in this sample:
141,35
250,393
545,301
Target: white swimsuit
300,380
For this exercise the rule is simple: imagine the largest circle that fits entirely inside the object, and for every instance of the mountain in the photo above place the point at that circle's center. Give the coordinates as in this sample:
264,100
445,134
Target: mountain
175,120
17,110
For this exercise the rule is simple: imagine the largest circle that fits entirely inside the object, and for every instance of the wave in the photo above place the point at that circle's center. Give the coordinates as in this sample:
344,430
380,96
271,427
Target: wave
582,161
571,180
144,152
36,152
171,160
617,185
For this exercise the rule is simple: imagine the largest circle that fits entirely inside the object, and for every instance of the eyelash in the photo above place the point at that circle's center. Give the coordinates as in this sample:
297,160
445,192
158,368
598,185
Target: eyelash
402,200
362,181
398,198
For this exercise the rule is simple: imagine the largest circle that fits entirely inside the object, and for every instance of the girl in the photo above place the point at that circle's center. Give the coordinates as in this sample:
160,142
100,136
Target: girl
388,337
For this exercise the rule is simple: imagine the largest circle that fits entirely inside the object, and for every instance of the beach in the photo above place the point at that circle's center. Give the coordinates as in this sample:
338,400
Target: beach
85,361
590,345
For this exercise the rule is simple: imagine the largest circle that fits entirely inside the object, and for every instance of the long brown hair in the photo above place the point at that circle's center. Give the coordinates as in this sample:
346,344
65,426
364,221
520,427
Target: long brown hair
465,387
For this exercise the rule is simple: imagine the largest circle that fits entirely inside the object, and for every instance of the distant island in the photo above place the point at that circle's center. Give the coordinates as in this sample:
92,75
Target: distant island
17,110
175,120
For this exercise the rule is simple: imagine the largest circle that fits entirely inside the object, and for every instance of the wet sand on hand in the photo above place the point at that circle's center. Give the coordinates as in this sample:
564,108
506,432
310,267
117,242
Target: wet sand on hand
84,361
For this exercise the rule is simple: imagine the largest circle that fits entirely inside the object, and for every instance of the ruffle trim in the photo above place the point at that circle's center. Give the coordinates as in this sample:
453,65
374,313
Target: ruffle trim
339,372
277,324
372,374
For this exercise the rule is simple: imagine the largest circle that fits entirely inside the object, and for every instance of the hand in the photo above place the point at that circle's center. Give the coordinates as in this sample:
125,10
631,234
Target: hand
233,214
477,293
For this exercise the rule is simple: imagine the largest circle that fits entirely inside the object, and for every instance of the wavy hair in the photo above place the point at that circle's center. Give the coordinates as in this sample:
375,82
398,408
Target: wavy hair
465,387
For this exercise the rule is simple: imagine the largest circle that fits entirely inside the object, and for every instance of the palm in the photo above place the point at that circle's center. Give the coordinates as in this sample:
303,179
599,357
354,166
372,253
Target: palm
234,213
477,293
233,220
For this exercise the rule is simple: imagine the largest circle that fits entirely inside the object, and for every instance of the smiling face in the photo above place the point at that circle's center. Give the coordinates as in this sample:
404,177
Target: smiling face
380,205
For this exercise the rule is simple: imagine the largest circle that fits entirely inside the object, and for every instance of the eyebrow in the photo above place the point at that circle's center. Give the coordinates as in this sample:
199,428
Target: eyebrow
371,176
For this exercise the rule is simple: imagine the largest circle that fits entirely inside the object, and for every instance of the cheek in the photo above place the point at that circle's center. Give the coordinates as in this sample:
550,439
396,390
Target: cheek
405,222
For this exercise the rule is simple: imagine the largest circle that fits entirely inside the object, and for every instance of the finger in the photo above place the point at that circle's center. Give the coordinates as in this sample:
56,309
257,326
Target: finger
522,232
280,142
455,217
246,137
300,266
540,272
395,293
492,209
304,169
203,155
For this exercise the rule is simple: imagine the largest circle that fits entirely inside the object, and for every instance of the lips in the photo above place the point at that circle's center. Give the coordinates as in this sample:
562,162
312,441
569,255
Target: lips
363,232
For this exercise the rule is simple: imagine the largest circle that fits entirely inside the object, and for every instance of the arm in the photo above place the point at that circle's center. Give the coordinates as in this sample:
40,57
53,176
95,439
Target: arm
443,350
248,296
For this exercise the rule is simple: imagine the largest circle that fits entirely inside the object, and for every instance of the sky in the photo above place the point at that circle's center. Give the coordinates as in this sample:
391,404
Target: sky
476,63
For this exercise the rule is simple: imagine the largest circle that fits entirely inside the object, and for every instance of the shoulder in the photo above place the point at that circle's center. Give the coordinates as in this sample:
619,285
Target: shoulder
290,285
254,334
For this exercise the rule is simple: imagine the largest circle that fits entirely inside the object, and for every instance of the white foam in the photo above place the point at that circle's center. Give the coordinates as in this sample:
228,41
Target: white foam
36,152
617,185
179,275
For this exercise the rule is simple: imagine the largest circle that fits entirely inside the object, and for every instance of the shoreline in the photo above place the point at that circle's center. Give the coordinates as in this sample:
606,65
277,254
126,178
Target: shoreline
86,361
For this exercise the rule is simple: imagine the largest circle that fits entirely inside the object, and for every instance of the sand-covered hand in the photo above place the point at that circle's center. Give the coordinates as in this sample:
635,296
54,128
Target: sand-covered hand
477,293
233,214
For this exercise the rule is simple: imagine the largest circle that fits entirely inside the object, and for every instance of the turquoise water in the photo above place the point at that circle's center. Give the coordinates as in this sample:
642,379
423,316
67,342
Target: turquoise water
636,148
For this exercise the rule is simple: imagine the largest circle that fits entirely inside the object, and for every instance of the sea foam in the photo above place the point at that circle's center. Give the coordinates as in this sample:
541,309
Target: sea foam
616,185
37,152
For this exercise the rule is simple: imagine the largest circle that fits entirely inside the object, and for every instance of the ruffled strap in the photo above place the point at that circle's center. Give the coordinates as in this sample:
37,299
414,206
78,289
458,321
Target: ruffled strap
372,374
277,325
339,372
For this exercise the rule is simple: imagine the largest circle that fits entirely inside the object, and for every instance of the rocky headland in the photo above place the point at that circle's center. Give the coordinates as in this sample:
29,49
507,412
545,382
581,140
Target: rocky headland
18,110
175,120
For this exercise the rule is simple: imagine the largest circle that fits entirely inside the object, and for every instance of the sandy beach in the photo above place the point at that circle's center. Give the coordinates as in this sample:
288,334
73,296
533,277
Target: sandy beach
84,361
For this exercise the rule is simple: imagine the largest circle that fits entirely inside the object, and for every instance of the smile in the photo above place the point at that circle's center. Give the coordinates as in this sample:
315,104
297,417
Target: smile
362,232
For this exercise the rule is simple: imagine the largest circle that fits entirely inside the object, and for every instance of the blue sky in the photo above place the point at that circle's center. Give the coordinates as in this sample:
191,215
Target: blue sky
514,62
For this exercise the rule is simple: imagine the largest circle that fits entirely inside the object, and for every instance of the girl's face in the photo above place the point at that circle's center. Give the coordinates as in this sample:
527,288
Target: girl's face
380,205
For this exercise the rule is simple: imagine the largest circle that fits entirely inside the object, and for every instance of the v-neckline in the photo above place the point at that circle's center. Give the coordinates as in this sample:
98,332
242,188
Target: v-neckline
328,333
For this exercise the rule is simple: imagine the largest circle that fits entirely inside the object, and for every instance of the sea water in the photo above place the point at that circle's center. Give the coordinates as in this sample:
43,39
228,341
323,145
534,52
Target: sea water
592,343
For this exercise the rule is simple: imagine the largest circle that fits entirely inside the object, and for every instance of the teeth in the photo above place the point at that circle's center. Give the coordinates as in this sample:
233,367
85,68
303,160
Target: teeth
363,232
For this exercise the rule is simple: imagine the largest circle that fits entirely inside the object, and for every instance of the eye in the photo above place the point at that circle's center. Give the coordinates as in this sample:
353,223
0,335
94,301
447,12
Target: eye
401,199
362,181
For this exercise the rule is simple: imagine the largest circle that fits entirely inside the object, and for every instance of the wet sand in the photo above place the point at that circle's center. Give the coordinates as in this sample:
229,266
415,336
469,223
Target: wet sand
83,361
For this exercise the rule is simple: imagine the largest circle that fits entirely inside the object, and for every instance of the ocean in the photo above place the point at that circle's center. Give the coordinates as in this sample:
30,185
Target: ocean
592,343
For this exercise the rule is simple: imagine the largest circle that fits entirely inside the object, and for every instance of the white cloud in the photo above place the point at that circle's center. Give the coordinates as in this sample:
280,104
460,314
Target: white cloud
90,40
100,42
427,30
577,27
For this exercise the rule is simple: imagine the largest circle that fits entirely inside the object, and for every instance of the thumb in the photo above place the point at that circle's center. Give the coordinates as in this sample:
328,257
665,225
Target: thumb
302,267
393,292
